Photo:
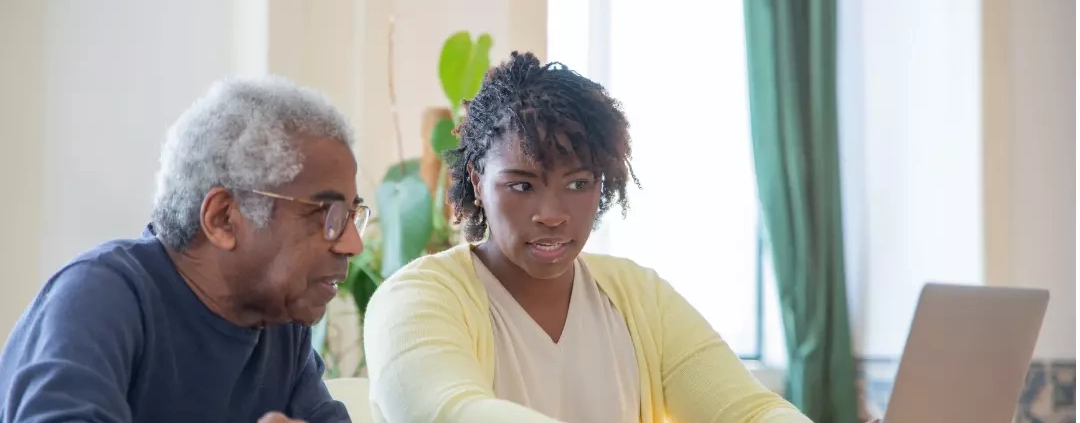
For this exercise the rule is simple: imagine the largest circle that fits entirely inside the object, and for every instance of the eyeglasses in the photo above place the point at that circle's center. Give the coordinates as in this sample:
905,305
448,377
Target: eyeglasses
338,214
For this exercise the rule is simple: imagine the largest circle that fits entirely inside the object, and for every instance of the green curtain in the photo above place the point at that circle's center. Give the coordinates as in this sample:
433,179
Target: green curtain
791,58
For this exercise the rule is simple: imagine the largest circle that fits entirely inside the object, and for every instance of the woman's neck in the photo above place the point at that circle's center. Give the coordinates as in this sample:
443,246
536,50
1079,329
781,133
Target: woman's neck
522,286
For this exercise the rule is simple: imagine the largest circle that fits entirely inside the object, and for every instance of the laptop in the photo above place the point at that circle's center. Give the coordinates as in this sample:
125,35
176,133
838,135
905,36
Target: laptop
967,354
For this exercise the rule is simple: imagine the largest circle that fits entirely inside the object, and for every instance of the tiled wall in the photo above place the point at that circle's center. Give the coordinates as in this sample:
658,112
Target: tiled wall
1049,395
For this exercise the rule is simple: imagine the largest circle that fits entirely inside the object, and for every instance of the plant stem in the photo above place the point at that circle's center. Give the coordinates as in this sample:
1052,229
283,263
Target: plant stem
438,215
393,95
360,366
360,344
331,363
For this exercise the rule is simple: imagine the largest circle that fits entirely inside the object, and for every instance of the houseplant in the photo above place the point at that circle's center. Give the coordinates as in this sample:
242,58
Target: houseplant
410,218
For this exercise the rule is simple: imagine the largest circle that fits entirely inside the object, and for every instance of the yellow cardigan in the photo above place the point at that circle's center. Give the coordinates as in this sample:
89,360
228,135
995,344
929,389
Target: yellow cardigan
431,355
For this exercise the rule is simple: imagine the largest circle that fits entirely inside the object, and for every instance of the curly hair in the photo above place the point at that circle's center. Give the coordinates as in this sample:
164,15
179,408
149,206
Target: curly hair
534,102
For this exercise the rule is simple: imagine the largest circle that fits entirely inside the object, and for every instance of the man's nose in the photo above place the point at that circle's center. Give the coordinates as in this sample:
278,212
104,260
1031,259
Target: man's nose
350,243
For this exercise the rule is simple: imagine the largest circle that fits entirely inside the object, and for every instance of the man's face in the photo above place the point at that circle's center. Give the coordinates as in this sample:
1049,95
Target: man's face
539,218
287,270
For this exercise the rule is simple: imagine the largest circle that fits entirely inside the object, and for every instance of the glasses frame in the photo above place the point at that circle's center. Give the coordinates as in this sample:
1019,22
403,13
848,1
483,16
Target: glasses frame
353,212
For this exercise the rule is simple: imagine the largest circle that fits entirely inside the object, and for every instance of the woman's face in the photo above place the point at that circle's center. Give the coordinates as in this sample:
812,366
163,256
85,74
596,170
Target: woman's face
539,218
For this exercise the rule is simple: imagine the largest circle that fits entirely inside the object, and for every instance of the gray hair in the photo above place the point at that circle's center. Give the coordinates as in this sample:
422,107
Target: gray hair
244,134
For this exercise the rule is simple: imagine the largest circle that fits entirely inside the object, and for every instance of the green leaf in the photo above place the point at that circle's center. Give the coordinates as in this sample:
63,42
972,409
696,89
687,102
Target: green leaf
398,171
453,62
358,266
362,283
404,207
478,64
442,136
439,224
333,371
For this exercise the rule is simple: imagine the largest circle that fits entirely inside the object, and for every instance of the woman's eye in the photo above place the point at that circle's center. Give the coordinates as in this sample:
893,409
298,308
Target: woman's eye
521,186
578,185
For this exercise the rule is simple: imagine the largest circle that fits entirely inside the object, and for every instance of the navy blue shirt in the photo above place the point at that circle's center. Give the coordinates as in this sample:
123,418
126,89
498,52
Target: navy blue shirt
118,336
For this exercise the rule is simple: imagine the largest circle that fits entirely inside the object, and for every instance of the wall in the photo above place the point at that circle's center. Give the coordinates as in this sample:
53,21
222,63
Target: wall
116,77
341,47
420,27
1029,109
1030,134
959,156
22,115
958,137
90,88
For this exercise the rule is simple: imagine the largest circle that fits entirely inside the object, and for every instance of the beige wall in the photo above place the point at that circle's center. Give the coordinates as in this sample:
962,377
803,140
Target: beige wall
22,112
341,47
958,136
421,26
87,83
1029,106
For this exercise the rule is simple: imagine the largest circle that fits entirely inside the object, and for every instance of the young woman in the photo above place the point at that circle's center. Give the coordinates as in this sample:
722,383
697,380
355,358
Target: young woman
521,326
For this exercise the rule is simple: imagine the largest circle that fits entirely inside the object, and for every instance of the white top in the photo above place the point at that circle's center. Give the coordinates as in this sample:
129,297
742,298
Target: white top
589,376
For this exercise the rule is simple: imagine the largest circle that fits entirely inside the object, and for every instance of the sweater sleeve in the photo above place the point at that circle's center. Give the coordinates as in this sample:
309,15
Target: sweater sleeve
310,400
422,362
69,358
703,379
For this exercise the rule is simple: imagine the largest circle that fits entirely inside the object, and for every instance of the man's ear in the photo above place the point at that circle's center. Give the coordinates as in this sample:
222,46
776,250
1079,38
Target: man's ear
219,216
474,178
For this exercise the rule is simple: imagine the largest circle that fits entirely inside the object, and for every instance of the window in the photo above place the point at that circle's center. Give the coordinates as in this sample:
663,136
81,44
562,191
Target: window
679,68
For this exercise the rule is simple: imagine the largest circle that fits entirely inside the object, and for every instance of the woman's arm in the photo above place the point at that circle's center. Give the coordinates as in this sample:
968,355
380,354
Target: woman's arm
704,381
421,360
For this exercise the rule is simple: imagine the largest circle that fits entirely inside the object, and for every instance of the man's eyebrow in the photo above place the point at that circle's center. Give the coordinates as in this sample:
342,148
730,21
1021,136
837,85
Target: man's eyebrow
331,195
328,195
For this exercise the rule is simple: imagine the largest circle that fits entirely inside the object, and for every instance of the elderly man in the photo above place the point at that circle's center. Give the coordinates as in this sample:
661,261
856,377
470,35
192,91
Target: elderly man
205,317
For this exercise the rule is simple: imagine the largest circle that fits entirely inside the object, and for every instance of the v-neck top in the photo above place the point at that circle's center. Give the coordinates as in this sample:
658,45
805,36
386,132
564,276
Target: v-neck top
589,375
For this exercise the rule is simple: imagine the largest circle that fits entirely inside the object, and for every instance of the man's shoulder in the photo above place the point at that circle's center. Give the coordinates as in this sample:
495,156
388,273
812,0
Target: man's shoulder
87,322
133,259
121,254
117,273
91,298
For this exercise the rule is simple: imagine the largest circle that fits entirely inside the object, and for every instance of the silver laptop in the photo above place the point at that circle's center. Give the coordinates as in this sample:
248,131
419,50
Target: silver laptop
967,354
